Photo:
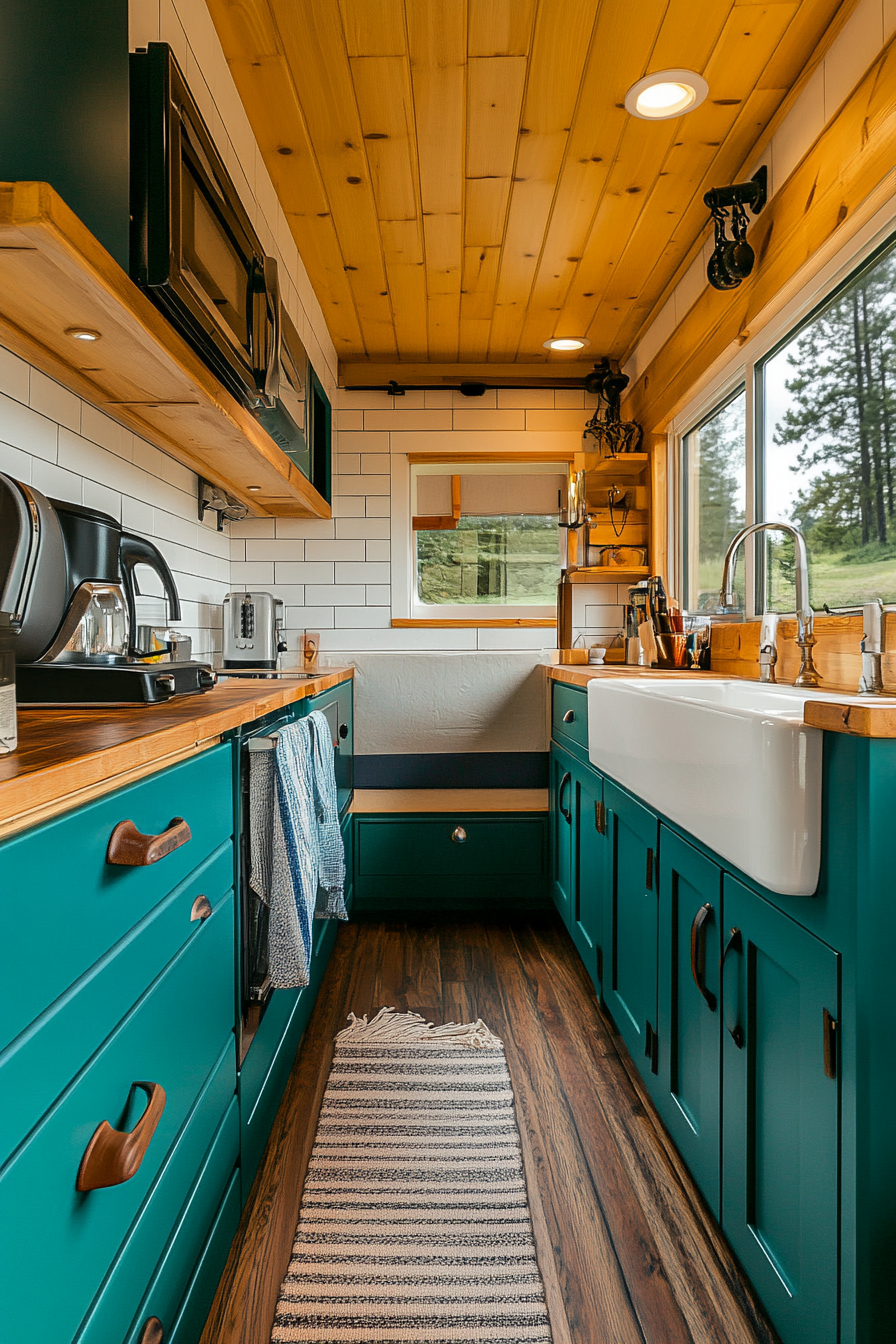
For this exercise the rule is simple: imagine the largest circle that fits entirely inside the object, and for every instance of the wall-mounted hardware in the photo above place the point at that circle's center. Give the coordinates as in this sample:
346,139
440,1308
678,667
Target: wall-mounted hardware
613,434
215,500
733,258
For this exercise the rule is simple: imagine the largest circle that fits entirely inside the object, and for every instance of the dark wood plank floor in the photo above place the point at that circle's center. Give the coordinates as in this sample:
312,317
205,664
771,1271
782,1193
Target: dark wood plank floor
629,1253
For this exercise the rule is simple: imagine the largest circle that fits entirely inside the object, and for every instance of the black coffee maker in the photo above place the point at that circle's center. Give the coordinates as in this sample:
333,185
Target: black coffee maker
67,579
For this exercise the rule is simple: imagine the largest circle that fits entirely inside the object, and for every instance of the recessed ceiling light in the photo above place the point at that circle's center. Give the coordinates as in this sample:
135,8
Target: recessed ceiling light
83,334
566,343
668,93
253,488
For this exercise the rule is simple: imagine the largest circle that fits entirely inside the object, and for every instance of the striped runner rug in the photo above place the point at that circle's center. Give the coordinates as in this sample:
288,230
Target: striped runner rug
414,1224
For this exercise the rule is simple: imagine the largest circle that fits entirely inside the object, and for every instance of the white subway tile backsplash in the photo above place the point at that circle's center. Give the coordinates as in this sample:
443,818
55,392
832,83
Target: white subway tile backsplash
378,595
362,573
14,376
521,398
488,638
16,463
484,418
255,527
345,641
348,506
378,550
363,618
255,575
335,595
373,528
290,572
407,420
334,550
363,442
371,463
306,529
569,398
237,548
347,464
98,428
56,482
51,399
310,618
379,506
96,496
276,550
556,420
23,428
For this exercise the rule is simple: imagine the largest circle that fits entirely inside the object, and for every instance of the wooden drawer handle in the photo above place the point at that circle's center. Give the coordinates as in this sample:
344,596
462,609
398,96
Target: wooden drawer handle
201,909
569,716
130,847
152,1332
113,1156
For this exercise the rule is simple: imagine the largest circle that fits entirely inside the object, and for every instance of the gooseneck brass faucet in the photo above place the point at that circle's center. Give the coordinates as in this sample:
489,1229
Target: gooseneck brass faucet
805,620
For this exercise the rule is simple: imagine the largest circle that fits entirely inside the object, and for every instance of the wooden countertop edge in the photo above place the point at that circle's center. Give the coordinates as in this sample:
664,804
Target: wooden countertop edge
46,791
865,720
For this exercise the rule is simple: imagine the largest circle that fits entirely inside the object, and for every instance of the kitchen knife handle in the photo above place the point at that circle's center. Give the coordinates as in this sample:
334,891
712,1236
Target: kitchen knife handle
113,1156
130,847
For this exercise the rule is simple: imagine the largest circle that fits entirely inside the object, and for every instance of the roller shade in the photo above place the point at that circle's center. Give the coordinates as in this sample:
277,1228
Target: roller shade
443,499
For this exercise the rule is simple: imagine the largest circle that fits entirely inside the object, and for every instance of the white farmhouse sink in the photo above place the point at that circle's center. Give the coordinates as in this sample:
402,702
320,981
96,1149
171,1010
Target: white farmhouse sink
730,761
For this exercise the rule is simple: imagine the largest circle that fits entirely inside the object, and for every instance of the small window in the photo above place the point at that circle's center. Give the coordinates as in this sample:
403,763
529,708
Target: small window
714,493
486,535
830,447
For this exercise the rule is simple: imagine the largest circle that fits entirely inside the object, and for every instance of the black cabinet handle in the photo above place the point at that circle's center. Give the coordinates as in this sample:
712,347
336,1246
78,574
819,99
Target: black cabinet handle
563,783
343,731
569,716
735,943
648,876
698,953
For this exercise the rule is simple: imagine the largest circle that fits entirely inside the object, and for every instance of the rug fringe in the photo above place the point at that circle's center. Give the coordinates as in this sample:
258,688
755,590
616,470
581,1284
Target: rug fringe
408,1028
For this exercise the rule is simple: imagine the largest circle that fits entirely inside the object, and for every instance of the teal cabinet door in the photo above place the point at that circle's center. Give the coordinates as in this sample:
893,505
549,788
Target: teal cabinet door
687,1088
630,924
587,891
780,1117
562,834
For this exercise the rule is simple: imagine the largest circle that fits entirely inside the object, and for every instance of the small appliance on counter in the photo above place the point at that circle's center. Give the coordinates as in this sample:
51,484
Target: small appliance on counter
253,630
67,582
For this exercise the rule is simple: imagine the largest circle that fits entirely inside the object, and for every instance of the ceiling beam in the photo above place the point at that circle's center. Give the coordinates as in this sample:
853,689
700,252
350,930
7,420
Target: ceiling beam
568,374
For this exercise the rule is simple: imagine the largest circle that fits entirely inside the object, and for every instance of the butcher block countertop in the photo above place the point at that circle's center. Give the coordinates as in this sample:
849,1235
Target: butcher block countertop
67,757
874,717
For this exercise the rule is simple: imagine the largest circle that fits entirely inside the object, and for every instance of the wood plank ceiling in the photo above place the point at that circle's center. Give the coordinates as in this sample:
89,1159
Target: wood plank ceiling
461,178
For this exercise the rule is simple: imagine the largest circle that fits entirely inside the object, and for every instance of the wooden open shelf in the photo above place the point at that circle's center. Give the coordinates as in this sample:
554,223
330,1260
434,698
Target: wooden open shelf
625,467
54,276
609,574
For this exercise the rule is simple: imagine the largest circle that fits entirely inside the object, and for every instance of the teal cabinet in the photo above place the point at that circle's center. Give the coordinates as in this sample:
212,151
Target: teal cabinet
630,924
562,834
687,1089
779,1002
589,877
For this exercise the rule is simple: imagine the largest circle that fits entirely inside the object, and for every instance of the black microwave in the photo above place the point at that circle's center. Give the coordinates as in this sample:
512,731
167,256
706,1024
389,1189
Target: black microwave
194,251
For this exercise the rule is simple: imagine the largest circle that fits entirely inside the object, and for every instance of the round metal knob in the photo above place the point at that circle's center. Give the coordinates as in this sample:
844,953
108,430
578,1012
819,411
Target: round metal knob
459,835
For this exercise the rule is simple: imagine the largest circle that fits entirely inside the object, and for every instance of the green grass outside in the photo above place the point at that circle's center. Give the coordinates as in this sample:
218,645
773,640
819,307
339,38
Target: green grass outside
831,579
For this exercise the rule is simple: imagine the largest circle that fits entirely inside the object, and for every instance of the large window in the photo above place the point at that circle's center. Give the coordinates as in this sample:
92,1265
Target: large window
486,535
809,438
714,458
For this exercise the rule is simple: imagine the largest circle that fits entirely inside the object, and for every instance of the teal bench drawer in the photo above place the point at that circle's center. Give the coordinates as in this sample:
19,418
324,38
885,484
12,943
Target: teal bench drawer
43,1058
171,1037
208,1145
569,714
199,1214
434,847
65,906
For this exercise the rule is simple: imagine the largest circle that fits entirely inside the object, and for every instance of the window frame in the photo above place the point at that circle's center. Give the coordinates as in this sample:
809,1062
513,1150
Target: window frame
744,368
406,609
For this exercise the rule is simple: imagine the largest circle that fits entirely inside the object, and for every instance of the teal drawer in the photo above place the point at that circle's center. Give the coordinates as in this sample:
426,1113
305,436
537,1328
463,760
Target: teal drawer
172,1037
569,714
208,1145
198,1217
195,1307
59,889
44,1057
432,847
267,1066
